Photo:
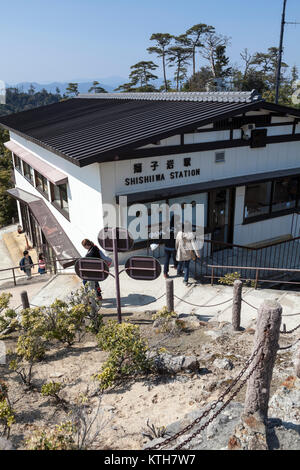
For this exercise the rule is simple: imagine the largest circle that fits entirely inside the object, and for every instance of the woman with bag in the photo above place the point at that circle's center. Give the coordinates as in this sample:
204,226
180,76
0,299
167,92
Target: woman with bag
186,249
95,252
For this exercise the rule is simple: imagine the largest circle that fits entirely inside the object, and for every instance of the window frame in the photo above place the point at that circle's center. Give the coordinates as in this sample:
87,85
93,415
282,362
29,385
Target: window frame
272,213
59,206
37,174
31,172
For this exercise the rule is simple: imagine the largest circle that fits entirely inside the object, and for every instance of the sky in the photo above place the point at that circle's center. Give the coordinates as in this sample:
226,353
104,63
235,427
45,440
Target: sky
74,40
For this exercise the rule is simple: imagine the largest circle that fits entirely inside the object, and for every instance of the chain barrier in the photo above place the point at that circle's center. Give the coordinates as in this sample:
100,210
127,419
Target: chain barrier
213,406
200,306
189,439
288,347
290,331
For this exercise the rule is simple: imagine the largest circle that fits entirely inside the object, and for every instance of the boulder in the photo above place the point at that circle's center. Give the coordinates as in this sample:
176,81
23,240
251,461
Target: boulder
224,363
5,444
166,363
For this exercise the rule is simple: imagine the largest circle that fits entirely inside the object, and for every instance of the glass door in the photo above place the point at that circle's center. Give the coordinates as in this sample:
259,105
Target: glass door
221,215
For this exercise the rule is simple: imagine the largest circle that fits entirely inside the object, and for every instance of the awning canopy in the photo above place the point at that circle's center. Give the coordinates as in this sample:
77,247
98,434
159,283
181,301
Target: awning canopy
63,248
48,171
177,191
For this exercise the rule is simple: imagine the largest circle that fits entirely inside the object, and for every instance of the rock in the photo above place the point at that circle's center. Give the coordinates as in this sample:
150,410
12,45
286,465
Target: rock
56,375
5,444
214,334
166,363
190,322
249,434
190,363
284,404
223,364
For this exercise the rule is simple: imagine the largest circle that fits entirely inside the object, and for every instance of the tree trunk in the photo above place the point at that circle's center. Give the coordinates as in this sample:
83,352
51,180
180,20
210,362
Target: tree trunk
164,70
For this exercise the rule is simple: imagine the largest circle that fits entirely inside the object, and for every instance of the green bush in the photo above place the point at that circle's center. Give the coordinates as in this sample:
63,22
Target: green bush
127,353
229,278
7,414
59,438
8,316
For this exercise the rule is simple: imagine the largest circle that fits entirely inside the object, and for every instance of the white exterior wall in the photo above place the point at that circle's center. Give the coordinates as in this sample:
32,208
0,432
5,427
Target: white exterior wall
90,186
84,194
238,162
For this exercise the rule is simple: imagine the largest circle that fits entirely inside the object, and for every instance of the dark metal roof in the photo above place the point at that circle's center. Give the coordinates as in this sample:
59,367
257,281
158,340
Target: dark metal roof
86,130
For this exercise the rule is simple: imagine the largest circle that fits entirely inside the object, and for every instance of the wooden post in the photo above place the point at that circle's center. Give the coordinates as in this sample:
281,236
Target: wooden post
14,276
297,363
267,330
24,299
237,304
170,294
256,278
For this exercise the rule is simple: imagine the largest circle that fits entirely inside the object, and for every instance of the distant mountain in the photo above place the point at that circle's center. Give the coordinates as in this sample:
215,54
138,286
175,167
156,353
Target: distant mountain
109,84
83,86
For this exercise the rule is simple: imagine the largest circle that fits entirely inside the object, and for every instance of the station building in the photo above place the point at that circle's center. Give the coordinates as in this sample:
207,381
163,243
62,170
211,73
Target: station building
233,152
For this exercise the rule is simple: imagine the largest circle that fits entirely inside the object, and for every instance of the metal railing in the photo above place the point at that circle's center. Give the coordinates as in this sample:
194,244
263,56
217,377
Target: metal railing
283,255
216,274
51,268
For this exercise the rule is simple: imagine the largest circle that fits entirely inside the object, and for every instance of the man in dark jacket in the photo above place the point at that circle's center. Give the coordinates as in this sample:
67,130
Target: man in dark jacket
26,264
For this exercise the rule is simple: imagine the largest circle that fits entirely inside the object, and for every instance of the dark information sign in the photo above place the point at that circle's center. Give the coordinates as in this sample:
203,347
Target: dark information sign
91,269
144,268
123,238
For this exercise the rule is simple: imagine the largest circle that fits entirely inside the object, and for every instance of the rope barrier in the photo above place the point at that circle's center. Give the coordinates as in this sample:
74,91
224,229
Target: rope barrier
195,305
255,308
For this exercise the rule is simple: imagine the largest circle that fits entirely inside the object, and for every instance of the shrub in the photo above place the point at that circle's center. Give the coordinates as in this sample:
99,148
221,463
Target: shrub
164,313
7,414
64,321
167,322
59,438
229,278
52,389
127,353
8,316
30,349
92,303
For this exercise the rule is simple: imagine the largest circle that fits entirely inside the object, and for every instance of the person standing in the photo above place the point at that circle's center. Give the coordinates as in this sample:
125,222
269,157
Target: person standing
186,249
26,264
42,264
94,252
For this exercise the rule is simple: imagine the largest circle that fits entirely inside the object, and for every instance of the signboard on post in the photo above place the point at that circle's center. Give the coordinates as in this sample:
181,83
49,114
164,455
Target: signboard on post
145,268
107,236
91,269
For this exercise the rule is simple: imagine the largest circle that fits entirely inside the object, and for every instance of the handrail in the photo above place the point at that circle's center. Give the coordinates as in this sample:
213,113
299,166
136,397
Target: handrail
253,267
257,270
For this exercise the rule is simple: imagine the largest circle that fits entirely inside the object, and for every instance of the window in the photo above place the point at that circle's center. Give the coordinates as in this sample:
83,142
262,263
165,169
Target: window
28,172
59,195
285,194
257,199
269,198
41,184
219,157
17,163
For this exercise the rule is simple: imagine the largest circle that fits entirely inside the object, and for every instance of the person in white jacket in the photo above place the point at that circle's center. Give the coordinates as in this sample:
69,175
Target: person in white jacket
186,249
